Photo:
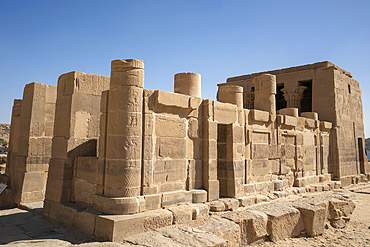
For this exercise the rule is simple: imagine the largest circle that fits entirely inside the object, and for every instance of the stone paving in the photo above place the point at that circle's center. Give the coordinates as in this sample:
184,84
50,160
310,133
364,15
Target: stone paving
20,225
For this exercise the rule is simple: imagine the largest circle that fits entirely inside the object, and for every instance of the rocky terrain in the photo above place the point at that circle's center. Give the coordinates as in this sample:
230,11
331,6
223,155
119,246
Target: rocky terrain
4,131
4,137
24,228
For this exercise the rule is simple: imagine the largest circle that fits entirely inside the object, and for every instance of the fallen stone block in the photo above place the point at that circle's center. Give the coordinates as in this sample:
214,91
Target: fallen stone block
216,206
219,226
230,203
247,201
253,225
200,211
313,218
283,221
181,214
188,236
262,198
340,212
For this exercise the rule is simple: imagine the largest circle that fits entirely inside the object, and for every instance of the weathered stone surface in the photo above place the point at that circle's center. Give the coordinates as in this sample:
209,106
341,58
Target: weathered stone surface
118,227
283,222
253,225
181,214
313,218
181,235
221,227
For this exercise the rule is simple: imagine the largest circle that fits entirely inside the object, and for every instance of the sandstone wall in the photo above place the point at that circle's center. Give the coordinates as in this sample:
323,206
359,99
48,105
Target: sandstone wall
30,144
76,131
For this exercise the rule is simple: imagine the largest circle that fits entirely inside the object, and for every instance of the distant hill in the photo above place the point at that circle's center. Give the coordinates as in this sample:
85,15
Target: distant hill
4,132
4,137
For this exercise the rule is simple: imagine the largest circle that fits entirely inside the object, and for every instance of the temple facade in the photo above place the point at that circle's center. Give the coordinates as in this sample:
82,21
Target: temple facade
112,147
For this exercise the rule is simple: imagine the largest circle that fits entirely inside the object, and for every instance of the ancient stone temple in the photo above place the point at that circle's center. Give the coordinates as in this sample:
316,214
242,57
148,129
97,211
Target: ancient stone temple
122,155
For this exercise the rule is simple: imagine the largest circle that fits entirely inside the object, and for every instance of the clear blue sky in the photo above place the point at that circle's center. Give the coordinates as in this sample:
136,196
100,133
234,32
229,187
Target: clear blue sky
40,40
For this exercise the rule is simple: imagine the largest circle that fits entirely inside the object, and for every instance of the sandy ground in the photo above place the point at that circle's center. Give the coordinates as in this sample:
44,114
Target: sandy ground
356,233
19,227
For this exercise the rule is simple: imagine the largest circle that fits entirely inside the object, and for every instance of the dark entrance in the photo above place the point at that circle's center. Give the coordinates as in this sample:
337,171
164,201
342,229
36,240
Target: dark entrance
361,155
306,103
279,97
224,158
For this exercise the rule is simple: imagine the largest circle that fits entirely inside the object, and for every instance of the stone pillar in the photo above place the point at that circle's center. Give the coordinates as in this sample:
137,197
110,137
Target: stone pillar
188,83
76,130
264,95
294,99
124,129
13,139
33,147
231,94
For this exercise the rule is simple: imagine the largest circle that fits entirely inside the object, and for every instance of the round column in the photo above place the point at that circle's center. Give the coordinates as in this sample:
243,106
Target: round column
264,95
188,83
124,129
231,94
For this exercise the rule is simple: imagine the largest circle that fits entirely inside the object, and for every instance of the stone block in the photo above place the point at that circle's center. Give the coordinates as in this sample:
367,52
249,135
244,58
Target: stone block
262,198
249,188
310,123
247,201
253,225
89,169
278,185
170,127
313,218
209,130
181,214
282,221
213,190
289,112
175,198
178,235
260,167
260,116
325,125
199,196
264,186
83,192
116,205
217,206
193,128
310,115
259,151
290,121
150,202
230,203
221,227
118,227
171,99
200,211
340,208
171,147
225,113
85,221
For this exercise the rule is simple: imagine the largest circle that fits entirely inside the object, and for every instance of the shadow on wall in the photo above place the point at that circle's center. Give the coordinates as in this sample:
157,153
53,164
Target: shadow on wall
85,149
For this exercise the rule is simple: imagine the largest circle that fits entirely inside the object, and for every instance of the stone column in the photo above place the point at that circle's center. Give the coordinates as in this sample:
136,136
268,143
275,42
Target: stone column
124,129
188,83
231,94
294,99
264,95
13,139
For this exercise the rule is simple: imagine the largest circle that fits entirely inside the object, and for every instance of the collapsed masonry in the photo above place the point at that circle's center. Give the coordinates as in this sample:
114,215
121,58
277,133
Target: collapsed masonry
120,149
